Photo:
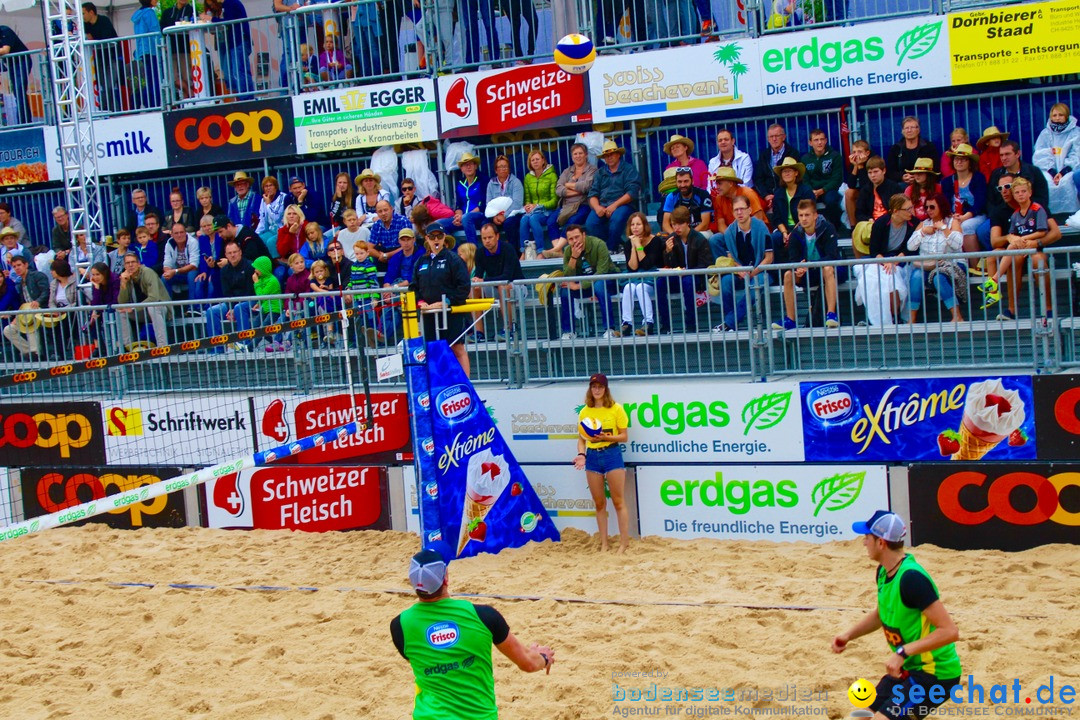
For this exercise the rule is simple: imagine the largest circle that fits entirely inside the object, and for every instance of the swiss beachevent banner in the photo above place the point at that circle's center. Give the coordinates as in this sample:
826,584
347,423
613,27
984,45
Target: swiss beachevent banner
920,419
366,116
669,422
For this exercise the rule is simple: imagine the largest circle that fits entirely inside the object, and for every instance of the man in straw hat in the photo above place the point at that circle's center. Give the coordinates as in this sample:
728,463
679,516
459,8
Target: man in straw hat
682,150
613,196
918,629
989,146
824,174
448,644
34,292
9,250
470,191
726,187
693,198
729,155
245,205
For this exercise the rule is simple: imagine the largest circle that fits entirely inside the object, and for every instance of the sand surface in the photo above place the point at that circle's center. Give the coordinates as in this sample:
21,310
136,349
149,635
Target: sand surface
90,649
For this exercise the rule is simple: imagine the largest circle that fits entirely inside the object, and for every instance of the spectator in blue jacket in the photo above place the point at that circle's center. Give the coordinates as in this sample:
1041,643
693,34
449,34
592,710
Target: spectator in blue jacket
145,58
399,271
470,191
309,201
234,44
211,250
245,206
748,242
613,196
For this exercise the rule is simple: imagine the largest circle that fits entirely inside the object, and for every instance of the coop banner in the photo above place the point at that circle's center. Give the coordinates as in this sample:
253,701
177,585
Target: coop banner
281,420
917,419
866,59
365,117
527,97
319,498
49,491
708,77
1015,42
674,422
783,503
483,500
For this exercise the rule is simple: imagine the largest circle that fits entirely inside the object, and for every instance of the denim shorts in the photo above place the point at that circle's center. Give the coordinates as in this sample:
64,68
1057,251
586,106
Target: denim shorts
603,460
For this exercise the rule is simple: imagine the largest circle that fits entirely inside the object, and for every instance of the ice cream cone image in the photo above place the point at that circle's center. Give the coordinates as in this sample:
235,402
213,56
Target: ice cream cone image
487,476
991,414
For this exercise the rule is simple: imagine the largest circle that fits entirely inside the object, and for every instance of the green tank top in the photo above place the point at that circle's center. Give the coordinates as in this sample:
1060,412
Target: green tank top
906,625
449,648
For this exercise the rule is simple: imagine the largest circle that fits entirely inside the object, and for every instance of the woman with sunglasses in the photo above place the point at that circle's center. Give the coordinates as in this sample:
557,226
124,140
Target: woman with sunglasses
883,287
408,200
939,234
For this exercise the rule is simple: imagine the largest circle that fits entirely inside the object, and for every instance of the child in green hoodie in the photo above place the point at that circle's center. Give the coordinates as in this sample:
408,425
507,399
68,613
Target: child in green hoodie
268,311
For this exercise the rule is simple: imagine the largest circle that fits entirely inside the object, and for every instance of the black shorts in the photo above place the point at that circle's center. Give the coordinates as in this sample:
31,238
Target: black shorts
455,325
886,704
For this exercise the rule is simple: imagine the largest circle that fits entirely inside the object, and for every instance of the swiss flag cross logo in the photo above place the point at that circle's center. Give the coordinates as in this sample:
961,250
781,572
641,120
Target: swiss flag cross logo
457,98
273,422
227,495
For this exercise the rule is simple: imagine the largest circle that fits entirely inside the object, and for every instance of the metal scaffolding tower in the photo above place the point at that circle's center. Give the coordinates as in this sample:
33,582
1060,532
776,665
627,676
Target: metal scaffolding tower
71,71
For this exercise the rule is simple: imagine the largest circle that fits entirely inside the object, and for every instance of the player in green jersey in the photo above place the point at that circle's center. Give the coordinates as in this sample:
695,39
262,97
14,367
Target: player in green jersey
918,629
448,643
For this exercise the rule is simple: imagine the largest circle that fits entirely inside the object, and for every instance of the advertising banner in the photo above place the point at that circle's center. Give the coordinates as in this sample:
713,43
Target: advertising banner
23,158
128,144
237,132
281,420
202,431
366,117
51,434
671,422
562,490
309,498
476,497
691,79
1057,416
7,508
1015,42
995,506
48,491
913,419
865,59
521,98
783,503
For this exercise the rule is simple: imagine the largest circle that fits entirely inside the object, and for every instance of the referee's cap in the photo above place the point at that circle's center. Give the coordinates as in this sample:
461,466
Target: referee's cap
427,571
883,524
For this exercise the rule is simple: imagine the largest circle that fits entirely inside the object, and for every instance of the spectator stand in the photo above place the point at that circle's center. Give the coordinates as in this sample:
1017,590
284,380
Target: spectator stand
25,89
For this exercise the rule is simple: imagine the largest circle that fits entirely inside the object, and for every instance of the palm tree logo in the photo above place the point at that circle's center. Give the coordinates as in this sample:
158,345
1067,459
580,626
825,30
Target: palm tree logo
728,56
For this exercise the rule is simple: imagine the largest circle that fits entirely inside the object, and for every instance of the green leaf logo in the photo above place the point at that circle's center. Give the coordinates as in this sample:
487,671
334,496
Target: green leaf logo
34,526
918,41
837,492
90,510
766,411
144,494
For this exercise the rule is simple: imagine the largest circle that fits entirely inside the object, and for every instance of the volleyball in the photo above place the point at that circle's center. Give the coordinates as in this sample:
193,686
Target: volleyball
591,427
575,54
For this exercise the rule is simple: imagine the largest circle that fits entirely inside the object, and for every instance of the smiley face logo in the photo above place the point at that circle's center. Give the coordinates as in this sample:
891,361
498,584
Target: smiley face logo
861,693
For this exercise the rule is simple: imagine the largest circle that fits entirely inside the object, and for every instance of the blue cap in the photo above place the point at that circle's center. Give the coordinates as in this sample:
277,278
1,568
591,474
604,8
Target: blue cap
883,524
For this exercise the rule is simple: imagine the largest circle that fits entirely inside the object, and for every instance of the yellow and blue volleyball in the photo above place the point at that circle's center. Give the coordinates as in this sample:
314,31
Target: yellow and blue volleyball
591,427
575,54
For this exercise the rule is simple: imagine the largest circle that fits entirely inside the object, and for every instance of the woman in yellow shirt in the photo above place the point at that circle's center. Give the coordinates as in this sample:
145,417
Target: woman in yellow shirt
601,427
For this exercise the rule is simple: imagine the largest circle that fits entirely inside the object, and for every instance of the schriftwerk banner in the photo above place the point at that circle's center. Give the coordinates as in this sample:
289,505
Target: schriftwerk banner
470,481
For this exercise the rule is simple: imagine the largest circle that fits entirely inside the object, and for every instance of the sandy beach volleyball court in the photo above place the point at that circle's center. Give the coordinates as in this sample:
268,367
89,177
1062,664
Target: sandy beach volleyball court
91,649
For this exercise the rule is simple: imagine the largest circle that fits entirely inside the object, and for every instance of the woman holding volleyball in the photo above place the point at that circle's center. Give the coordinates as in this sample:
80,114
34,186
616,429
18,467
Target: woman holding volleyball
602,426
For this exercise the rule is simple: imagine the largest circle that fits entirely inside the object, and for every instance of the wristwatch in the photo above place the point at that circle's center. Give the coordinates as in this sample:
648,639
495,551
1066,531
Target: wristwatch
901,652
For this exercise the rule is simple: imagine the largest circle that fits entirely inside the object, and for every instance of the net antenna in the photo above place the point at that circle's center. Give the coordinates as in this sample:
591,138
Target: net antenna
361,424
71,70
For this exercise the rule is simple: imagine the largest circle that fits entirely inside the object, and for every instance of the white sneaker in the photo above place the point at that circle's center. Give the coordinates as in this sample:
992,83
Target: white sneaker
568,336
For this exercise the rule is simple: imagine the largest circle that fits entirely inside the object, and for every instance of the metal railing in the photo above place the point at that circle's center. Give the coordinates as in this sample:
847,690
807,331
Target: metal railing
703,324
25,100
786,15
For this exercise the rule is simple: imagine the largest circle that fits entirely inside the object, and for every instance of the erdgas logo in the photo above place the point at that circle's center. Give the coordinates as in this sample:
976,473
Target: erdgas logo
834,56
676,417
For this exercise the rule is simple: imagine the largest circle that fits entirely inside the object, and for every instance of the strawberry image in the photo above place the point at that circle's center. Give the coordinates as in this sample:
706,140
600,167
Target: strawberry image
515,489
1017,438
948,442
478,531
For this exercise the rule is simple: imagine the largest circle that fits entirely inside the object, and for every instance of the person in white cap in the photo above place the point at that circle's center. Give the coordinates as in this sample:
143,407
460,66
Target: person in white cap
448,644
918,629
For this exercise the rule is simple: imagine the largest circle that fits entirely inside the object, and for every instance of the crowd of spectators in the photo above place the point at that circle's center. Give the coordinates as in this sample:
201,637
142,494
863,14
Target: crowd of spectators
912,202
